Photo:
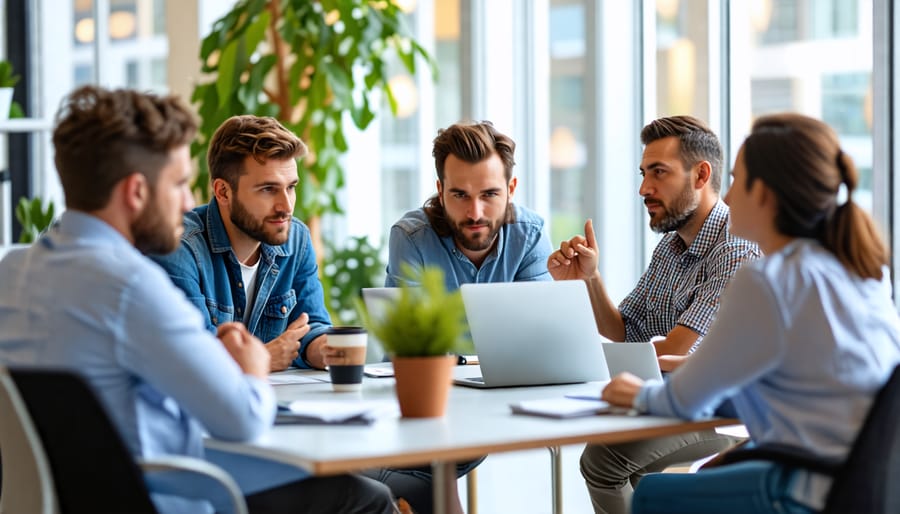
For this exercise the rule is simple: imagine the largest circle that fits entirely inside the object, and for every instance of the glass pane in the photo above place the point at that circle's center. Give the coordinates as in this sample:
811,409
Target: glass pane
813,57
401,171
136,44
447,93
682,62
567,118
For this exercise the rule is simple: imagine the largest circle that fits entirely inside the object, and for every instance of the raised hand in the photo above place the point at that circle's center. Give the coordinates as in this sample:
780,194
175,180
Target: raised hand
244,348
576,258
285,348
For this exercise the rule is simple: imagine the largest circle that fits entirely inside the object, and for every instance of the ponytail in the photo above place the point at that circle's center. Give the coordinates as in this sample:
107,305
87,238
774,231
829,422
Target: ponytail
800,160
850,234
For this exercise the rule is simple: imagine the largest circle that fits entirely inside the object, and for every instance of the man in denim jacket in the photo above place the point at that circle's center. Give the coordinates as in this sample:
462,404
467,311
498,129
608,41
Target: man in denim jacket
244,257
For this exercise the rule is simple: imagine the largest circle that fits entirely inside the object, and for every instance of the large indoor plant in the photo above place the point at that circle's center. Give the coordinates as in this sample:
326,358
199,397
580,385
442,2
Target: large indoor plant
306,63
422,330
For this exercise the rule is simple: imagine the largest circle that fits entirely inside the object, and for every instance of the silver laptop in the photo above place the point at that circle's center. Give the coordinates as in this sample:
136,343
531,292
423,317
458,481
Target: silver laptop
376,299
639,359
533,333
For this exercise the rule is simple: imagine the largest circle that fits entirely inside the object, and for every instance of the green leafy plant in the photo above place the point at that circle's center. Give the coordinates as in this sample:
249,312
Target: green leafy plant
34,218
347,272
7,77
426,320
306,63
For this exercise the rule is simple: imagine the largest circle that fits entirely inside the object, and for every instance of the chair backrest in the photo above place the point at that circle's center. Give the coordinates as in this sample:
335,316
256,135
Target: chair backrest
868,480
29,488
91,466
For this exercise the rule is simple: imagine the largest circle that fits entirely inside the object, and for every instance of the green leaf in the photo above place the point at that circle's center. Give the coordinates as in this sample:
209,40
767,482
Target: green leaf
425,320
7,77
368,43
226,80
33,218
340,81
257,31
15,110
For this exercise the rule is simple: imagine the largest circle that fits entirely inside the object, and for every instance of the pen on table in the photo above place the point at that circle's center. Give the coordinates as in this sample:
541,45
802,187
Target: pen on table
583,397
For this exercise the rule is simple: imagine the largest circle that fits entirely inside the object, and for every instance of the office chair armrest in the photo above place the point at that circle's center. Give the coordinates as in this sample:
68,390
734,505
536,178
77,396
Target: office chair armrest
193,478
782,454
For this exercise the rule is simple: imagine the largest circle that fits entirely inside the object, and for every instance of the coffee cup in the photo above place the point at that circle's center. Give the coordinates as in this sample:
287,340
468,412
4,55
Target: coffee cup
350,342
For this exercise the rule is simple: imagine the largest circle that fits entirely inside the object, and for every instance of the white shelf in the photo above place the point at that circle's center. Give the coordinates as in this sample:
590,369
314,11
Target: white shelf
25,125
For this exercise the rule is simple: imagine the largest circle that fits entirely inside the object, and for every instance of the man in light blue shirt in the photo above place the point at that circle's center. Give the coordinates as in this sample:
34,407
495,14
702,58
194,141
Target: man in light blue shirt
84,297
470,228
472,231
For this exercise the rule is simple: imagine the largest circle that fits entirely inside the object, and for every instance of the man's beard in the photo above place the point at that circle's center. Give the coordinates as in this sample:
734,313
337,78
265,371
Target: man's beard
256,229
678,214
151,233
477,244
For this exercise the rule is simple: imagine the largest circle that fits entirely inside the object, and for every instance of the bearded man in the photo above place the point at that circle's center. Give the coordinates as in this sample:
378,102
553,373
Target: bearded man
675,300
473,232
470,228
85,298
244,257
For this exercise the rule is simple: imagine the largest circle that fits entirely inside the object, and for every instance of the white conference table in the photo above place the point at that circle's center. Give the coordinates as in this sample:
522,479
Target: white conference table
478,422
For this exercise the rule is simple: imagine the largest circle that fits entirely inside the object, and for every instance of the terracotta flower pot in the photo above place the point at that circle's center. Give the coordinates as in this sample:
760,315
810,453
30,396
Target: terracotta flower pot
423,384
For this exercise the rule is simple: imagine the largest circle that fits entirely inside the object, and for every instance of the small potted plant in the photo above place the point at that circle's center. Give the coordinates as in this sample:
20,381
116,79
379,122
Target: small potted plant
422,331
34,218
8,80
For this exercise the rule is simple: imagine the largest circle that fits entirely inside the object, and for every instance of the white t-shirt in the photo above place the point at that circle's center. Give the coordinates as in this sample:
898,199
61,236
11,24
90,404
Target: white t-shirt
248,275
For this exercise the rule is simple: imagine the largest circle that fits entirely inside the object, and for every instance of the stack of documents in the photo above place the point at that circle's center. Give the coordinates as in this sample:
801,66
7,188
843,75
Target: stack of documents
334,412
566,407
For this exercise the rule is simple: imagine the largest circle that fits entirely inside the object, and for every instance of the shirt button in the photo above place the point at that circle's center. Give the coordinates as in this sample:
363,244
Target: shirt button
215,320
283,309
240,285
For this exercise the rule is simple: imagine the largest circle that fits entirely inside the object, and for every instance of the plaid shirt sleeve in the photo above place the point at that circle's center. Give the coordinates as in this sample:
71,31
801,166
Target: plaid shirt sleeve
634,309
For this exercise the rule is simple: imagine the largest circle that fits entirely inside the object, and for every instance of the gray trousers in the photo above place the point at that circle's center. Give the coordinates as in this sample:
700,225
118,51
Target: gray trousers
344,494
612,472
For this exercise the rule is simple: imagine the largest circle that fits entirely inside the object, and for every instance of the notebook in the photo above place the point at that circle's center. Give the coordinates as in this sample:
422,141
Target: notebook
533,333
639,359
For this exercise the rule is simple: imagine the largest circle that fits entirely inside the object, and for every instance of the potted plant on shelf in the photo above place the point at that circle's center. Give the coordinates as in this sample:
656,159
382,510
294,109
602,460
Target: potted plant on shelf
8,80
422,331
34,218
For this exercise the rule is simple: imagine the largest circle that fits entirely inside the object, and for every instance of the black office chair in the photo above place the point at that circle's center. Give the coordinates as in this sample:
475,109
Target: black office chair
93,470
867,480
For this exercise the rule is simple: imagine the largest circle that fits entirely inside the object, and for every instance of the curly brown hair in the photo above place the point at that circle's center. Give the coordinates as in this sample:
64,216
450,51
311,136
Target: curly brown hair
262,138
103,136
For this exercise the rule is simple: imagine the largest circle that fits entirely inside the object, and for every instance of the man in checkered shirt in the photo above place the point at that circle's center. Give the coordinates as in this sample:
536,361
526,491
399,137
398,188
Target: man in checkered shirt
675,300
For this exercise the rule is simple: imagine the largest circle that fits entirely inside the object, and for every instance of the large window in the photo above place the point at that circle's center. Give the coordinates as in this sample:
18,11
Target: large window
568,156
812,57
131,46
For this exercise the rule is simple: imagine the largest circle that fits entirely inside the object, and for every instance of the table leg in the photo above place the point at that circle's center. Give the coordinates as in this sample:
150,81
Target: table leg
556,478
441,473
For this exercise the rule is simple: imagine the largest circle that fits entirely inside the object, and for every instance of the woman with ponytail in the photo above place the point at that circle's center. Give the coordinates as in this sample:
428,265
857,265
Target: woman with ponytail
804,338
